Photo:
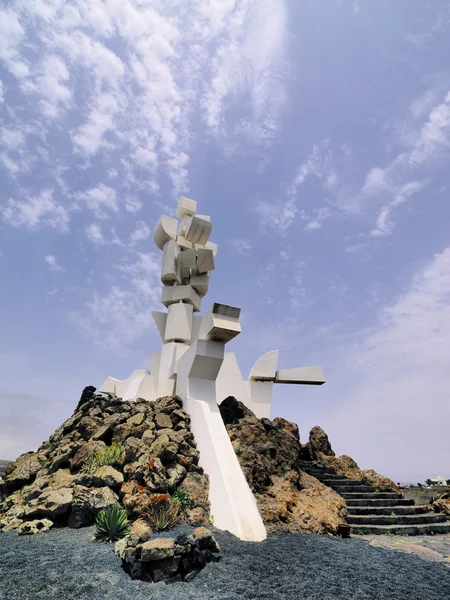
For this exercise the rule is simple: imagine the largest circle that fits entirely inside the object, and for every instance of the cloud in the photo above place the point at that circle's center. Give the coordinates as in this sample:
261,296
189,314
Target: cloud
122,314
241,246
140,234
281,214
101,200
37,211
53,263
395,378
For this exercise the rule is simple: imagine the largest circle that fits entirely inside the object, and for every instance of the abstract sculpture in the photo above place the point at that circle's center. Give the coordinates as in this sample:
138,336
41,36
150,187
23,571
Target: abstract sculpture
193,364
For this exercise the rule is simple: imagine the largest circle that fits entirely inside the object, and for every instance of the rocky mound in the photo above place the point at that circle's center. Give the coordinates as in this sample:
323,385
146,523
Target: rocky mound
269,453
319,449
61,484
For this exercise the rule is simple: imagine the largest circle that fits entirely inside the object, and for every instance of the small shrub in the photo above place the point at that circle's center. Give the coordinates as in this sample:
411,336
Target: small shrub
162,512
181,496
111,524
108,456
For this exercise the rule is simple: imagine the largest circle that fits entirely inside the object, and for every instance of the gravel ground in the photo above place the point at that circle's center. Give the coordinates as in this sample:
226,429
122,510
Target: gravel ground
65,564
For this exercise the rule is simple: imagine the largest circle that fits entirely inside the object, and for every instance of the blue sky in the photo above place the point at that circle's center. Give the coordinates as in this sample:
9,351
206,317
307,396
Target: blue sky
316,135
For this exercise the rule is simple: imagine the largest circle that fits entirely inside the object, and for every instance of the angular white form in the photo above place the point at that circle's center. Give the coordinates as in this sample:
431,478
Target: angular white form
232,502
265,367
181,293
165,230
205,261
198,230
303,375
220,324
160,319
186,207
193,363
179,323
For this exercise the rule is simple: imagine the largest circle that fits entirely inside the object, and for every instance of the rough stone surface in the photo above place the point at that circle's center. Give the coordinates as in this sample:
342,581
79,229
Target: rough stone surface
442,504
269,453
37,526
107,476
167,559
159,455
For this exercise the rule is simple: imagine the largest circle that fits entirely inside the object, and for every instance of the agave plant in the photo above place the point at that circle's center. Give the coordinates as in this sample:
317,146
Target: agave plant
111,524
162,513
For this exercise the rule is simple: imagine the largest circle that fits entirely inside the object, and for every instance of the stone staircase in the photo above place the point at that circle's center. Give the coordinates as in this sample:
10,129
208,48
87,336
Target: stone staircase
371,512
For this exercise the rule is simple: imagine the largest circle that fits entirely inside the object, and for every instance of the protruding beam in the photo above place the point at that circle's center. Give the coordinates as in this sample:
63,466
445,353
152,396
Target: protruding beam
301,375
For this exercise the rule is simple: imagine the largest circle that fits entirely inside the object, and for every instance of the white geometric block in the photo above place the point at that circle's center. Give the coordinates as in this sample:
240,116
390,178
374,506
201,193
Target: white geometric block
212,246
165,230
265,368
199,230
205,260
109,386
184,243
196,324
200,283
181,293
230,382
220,324
160,319
186,206
169,263
188,259
301,375
166,385
179,323
260,393
184,225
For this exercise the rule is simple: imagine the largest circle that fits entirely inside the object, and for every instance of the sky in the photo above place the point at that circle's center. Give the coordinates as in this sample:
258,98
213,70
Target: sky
317,136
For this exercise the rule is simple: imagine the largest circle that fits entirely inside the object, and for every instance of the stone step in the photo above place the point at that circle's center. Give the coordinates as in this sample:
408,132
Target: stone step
430,529
371,496
423,519
379,502
353,489
342,481
388,510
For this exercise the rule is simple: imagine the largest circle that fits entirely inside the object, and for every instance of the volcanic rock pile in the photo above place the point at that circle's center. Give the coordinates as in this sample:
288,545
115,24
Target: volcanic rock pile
159,456
270,454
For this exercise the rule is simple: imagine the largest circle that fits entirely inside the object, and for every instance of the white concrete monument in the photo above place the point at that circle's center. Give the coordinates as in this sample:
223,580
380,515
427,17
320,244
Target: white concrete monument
193,364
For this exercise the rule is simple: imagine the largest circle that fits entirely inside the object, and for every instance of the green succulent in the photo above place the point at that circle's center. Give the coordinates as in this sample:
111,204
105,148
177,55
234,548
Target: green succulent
162,515
110,455
111,524
181,496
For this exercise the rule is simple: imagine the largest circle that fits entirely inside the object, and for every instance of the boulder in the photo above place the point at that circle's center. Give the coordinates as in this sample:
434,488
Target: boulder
87,503
136,419
50,503
163,421
142,529
197,488
205,539
86,450
157,549
107,477
23,470
319,442
32,527
442,504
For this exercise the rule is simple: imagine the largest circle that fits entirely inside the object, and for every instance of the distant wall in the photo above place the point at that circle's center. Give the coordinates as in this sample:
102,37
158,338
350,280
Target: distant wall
424,496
